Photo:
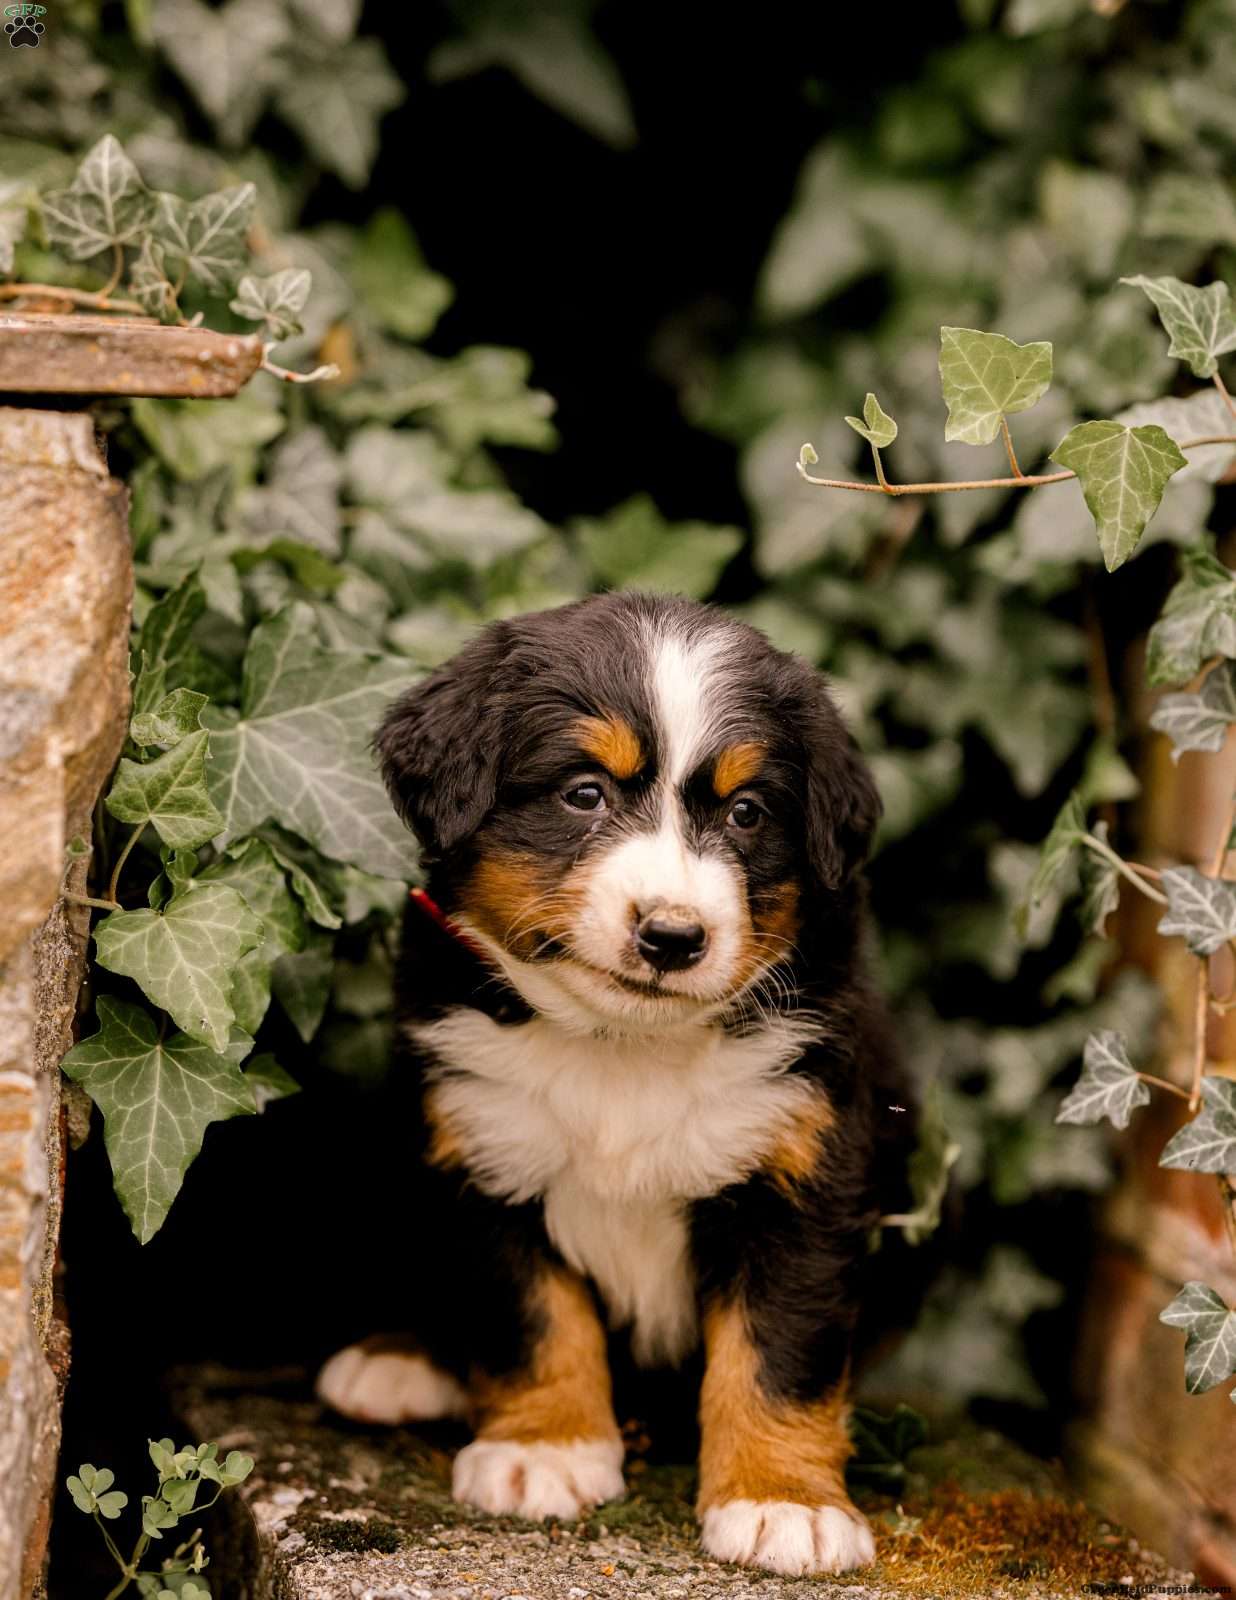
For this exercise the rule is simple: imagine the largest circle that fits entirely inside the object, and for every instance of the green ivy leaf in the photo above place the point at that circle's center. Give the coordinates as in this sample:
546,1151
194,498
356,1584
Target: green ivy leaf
1200,321
393,282
269,1081
196,437
1100,883
1201,909
301,983
1198,620
1056,854
297,752
251,869
157,1098
276,301
1210,1342
1199,721
928,1169
299,501
106,205
228,56
1187,206
149,285
634,547
335,102
1208,1143
184,956
1123,472
875,425
1108,1087
207,239
985,377
13,223
170,793
172,719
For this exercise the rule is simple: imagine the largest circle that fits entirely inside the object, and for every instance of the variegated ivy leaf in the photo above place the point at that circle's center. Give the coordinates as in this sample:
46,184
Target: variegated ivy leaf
297,752
157,1097
1064,838
1123,473
170,720
228,55
1208,1143
335,102
13,222
170,793
1210,1336
276,301
148,282
875,425
1100,884
985,377
1200,321
269,1081
184,956
107,204
1198,620
206,239
1199,721
1202,910
1108,1087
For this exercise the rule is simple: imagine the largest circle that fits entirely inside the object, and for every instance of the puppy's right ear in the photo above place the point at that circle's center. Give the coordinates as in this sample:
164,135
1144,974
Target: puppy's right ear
440,746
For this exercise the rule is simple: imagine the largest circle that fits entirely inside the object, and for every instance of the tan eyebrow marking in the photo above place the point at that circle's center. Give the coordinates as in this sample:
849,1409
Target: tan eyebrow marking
735,766
613,742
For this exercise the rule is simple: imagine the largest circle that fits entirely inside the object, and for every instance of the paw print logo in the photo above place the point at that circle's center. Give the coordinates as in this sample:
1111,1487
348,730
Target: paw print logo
23,26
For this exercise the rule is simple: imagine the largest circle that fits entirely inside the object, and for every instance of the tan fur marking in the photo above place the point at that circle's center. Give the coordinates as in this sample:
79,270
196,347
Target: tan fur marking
755,1448
770,935
613,742
567,1393
735,766
445,1146
513,898
797,1152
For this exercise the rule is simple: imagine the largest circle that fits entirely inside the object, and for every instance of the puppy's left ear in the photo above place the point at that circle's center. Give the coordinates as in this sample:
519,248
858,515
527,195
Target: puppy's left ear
843,804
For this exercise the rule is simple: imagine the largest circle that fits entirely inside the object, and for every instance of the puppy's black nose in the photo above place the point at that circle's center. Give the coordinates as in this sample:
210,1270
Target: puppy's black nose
670,943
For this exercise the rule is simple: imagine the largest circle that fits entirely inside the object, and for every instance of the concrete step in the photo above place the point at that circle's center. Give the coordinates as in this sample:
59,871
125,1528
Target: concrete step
334,1511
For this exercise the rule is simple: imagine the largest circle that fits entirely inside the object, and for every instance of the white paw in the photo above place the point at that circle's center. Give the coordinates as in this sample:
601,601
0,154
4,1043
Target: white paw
538,1480
781,1536
388,1386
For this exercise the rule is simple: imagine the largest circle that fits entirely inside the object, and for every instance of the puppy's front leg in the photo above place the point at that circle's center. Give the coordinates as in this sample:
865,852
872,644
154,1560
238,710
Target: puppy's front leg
772,1466
547,1443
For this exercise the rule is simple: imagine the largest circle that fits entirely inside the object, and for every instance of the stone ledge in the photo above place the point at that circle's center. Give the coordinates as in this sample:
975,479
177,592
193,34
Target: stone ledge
334,1511
122,356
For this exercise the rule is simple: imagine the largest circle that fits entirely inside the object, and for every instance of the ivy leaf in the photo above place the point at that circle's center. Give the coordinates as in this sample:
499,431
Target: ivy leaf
1210,1336
13,223
157,1098
393,282
301,982
1200,321
1202,910
170,793
928,1169
197,437
336,102
206,239
148,282
875,425
184,956
634,547
269,1081
276,301
229,57
1064,838
1198,620
1108,1087
1199,721
107,204
298,750
251,869
1122,472
170,720
300,497
985,377
1208,1143
1100,884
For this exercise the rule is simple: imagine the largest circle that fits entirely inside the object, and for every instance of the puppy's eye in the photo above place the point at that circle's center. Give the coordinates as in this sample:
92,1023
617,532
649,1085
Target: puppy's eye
585,797
745,814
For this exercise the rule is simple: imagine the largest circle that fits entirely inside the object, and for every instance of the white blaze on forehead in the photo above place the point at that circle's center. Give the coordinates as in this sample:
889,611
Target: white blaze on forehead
689,701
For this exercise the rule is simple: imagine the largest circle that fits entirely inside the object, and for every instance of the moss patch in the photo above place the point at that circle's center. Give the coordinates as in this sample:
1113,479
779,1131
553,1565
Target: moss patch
352,1534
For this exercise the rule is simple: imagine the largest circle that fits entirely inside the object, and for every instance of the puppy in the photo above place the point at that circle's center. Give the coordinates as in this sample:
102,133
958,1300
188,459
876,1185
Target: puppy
650,1087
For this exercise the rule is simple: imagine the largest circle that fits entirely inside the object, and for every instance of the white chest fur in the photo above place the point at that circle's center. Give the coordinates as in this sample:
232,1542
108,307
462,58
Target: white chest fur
616,1136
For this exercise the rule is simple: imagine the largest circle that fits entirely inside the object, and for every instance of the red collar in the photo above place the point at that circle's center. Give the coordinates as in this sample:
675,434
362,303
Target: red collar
449,926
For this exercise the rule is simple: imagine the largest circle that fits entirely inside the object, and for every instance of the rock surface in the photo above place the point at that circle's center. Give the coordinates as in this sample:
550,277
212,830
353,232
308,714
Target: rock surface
337,1512
122,355
65,592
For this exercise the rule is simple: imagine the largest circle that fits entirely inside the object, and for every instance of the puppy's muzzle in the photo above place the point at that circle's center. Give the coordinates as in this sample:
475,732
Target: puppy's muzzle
670,938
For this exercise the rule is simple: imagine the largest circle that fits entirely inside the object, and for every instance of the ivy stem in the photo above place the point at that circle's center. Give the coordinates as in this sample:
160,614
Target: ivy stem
1223,390
91,900
1008,445
109,288
1203,970
879,468
1026,481
318,375
76,297
1122,867
122,858
1162,1083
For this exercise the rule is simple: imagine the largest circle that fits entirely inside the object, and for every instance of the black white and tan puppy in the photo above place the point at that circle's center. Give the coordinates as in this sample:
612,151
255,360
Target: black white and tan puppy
653,1090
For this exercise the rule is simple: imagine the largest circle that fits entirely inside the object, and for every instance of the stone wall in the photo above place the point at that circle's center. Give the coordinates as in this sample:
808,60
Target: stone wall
65,594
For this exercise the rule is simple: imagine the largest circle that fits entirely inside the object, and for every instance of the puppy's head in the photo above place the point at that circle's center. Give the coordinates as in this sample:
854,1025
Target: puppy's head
634,803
